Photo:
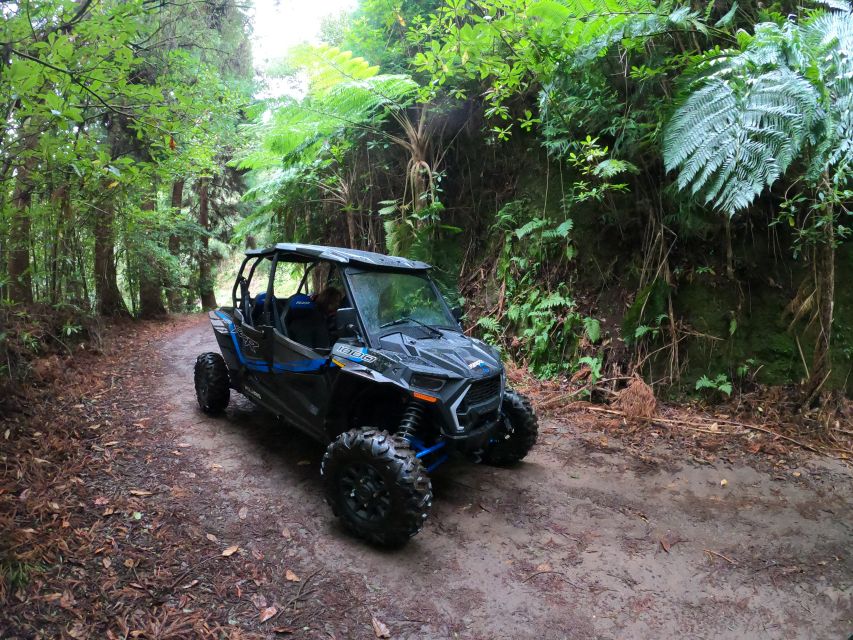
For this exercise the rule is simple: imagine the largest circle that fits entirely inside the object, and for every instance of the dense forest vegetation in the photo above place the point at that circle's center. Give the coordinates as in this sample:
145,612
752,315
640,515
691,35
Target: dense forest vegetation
613,187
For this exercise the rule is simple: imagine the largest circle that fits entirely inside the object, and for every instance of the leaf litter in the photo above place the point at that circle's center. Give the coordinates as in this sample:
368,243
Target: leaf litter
131,567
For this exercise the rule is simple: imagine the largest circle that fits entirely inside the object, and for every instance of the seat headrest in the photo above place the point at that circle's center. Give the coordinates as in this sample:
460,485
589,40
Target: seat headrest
301,302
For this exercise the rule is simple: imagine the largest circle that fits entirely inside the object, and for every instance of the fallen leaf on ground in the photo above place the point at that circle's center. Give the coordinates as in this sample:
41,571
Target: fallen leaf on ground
291,577
129,563
140,492
259,601
230,551
106,562
211,537
243,513
543,567
101,501
268,613
380,630
664,544
285,533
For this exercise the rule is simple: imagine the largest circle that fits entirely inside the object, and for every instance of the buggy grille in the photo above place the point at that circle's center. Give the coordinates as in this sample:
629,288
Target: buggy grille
484,390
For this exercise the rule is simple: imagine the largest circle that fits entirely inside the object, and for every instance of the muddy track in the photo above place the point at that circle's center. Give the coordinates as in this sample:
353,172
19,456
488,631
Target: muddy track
581,541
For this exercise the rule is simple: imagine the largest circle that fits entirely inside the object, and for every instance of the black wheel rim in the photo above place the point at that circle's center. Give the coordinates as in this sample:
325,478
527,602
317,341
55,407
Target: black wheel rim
507,430
365,493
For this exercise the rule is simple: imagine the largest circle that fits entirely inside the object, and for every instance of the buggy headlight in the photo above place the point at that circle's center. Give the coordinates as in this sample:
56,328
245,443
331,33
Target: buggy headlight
430,383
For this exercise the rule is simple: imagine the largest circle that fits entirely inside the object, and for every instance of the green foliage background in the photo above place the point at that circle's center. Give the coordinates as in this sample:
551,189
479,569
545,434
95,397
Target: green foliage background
611,186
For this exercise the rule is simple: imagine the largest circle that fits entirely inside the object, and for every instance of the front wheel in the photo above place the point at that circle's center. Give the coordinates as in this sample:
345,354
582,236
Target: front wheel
212,386
376,486
516,433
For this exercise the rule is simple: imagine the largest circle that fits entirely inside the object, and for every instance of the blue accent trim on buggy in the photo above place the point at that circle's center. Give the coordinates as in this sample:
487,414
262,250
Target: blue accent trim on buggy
301,365
423,450
426,452
252,364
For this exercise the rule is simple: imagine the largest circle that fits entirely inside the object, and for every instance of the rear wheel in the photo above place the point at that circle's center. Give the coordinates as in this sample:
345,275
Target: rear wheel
212,386
516,434
376,486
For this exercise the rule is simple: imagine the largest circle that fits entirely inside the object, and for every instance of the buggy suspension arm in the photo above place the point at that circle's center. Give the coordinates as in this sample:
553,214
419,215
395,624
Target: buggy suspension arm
412,418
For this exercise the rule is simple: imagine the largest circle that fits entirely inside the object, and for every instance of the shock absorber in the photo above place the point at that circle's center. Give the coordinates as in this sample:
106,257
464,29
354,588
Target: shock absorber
411,419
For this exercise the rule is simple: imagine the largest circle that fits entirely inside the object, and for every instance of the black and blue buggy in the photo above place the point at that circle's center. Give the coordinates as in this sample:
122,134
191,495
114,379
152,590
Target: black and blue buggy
374,363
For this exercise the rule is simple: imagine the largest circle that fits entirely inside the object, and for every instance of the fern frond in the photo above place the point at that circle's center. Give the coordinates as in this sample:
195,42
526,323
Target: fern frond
327,67
838,5
734,137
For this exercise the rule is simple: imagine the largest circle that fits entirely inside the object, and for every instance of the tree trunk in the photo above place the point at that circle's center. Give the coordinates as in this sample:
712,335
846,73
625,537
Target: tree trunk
174,292
18,262
58,249
109,300
205,279
824,270
352,230
730,263
150,276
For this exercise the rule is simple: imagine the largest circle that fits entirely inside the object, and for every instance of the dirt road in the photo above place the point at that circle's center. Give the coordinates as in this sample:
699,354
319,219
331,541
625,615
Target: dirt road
583,540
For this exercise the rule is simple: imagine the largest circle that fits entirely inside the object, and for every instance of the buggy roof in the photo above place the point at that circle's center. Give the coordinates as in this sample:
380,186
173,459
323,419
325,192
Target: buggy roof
292,252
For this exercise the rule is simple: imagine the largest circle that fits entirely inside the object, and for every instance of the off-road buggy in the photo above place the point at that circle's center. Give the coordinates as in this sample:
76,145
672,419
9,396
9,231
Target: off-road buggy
384,376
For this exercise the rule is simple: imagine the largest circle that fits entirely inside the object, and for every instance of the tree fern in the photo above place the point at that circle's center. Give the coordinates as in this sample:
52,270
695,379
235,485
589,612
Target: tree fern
786,94
735,136
344,92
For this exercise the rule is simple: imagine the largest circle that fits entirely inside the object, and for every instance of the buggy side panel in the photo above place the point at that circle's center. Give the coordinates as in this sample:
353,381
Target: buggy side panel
241,344
222,330
283,376
299,383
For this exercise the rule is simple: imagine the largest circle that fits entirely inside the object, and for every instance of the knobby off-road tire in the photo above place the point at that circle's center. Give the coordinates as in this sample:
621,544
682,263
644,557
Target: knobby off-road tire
517,433
212,388
376,486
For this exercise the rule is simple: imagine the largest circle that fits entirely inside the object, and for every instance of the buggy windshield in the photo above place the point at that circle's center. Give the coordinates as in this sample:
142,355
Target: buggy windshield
390,301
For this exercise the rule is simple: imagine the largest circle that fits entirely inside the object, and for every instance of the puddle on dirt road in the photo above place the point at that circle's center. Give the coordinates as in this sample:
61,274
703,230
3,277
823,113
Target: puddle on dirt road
571,544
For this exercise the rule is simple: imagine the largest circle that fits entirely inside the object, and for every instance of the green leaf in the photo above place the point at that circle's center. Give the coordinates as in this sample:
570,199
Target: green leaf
593,329
727,19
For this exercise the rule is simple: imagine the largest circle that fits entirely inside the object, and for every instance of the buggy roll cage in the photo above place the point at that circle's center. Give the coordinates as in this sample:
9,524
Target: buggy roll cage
312,255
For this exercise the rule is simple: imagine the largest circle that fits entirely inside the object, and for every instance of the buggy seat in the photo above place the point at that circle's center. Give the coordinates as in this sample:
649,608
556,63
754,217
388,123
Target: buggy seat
304,323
